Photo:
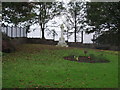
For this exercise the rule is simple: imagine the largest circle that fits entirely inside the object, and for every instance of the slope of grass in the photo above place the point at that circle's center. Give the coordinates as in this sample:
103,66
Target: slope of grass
35,65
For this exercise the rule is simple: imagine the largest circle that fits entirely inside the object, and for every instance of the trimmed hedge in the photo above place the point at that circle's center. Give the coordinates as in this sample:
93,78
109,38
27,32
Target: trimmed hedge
7,46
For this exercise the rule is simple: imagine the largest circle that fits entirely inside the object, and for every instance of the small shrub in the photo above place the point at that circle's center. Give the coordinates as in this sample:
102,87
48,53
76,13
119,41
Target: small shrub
7,45
85,52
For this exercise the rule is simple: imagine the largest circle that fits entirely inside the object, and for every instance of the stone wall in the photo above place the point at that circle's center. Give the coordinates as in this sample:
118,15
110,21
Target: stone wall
18,41
72,44
41,41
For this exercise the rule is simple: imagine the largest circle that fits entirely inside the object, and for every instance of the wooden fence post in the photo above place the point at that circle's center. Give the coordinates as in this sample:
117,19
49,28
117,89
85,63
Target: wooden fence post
11,31
16,31
23,32
6,30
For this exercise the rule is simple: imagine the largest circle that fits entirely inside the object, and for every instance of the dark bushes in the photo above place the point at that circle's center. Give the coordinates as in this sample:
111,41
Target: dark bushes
7,46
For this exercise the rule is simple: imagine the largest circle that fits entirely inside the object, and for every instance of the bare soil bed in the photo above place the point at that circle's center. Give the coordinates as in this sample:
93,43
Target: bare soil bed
85,59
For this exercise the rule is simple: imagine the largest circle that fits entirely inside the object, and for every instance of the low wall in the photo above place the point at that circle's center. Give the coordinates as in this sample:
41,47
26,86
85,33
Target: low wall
41,41
72,44
18,41
94,46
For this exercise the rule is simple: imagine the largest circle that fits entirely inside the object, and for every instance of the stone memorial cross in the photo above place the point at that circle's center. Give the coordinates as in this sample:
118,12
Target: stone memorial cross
62,42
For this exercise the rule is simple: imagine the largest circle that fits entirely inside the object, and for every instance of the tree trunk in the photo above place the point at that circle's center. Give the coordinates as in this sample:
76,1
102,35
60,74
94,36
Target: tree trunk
82,37
75,26
67,35
41,20
42,29
93,39
75,34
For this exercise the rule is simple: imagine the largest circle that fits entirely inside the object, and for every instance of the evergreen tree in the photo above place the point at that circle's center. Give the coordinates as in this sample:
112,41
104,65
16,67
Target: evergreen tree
105,17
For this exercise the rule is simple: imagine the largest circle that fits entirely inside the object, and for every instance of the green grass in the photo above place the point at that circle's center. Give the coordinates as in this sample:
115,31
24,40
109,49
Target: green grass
43,66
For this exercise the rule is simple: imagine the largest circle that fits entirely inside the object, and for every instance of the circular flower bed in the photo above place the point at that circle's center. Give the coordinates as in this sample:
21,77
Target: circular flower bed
85,59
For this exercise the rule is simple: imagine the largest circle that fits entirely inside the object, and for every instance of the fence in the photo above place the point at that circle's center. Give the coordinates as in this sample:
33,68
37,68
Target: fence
14,31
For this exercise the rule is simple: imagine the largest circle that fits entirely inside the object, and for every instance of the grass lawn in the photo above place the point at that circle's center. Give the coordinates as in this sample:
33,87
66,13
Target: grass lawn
43,66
